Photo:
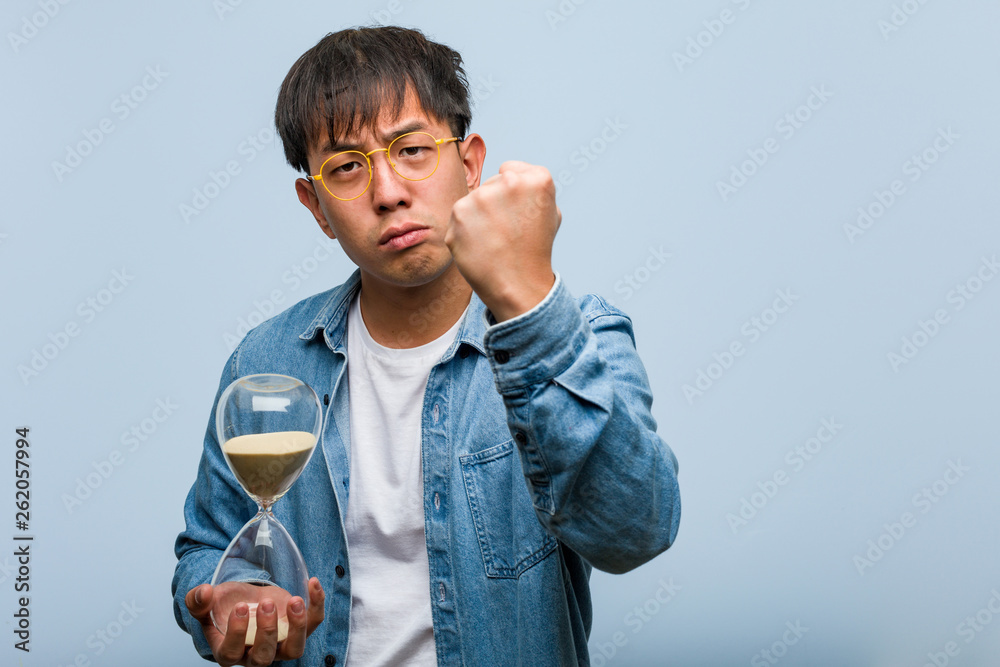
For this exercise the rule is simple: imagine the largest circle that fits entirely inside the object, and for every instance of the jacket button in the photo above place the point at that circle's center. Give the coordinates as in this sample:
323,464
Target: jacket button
339,570
463,351
502,356
520,437
330,660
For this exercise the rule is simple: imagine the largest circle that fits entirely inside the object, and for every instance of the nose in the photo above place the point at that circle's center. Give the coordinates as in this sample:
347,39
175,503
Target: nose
389,189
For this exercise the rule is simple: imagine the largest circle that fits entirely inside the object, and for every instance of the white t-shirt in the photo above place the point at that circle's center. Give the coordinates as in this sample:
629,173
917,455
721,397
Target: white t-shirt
390,579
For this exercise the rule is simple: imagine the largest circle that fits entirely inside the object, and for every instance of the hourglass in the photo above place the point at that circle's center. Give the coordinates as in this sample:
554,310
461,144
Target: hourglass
267,426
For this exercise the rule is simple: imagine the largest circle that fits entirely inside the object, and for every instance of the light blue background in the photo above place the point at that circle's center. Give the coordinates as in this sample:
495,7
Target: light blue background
545,87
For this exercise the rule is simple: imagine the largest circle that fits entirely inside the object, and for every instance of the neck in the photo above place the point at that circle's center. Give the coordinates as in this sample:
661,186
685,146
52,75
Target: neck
402,317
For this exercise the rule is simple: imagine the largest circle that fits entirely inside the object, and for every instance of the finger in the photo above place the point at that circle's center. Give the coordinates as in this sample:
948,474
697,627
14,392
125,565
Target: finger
233,646
317,605
265,642
516,166
492,179
295,644
199,602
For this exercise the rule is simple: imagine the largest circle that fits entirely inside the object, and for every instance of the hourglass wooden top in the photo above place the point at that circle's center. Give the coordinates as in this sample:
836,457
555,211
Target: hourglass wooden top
266,464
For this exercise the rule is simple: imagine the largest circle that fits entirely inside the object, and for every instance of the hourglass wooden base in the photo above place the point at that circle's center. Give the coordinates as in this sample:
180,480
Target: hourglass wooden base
252,627
229,591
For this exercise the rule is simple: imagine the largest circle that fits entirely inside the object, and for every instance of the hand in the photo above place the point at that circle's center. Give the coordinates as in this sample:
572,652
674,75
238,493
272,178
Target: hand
230,648
501,235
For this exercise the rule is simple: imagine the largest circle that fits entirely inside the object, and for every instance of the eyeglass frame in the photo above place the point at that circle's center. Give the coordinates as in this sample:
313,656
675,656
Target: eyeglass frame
371,169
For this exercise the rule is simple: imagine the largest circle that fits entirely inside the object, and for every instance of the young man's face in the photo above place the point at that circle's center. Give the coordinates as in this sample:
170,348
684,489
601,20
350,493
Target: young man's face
395,231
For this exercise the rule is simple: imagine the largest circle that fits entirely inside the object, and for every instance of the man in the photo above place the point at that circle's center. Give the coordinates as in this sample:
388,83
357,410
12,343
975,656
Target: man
487,439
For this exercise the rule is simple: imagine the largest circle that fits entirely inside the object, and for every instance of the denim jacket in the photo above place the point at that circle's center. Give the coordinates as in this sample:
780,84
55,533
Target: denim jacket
540,461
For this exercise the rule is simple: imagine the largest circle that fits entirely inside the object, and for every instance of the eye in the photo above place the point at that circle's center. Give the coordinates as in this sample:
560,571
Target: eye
411,151
346,169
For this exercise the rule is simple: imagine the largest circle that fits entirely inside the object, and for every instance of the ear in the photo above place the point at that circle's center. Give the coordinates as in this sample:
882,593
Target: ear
473,152
306,190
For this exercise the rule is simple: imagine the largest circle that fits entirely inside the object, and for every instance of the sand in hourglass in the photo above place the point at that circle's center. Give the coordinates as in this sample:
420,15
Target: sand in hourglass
267,463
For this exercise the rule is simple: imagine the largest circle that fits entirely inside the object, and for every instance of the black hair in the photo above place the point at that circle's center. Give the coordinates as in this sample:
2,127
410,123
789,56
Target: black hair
351,76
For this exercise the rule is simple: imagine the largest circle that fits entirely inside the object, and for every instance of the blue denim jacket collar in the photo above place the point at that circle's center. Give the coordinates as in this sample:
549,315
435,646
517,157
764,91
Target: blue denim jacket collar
332,319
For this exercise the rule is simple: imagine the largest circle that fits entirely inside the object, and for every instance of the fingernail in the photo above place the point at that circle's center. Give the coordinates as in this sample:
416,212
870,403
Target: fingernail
242,610
297,607
197,595
267,606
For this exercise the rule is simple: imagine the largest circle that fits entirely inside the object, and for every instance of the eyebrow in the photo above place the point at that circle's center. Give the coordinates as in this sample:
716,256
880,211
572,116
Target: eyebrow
386,138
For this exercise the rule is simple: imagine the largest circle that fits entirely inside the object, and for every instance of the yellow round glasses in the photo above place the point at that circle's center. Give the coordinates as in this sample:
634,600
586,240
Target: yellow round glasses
414,156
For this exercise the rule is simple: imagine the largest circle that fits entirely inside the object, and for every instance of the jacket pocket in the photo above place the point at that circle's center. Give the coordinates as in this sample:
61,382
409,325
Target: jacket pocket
510,536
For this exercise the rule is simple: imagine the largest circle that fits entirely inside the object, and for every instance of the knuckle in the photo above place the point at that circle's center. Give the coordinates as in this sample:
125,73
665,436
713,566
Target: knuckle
550,186
252,660
543,180
228,656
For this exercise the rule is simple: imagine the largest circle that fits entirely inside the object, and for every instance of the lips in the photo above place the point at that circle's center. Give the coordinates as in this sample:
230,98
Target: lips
399,230
407,240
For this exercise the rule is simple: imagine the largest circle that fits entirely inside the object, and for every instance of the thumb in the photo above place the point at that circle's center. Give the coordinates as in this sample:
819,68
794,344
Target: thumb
199,601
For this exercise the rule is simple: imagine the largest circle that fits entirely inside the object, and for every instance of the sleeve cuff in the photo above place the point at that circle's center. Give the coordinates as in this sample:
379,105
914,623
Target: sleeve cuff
538,345
491,321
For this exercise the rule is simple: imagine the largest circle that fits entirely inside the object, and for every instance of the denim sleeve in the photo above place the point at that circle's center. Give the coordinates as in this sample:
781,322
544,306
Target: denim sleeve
578,405
214,511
